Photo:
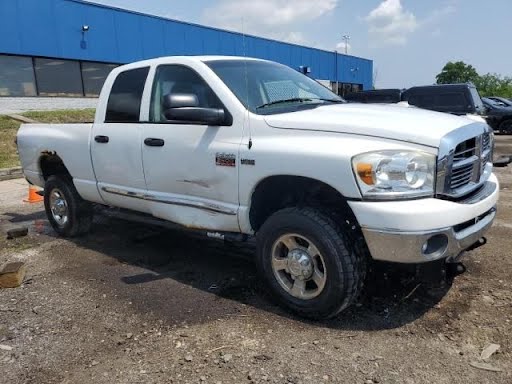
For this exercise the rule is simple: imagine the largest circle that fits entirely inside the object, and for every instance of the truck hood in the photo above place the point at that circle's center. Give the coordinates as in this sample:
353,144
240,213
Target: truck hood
394,122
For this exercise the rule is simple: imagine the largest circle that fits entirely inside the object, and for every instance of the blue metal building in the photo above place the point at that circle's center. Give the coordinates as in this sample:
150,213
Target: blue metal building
67,47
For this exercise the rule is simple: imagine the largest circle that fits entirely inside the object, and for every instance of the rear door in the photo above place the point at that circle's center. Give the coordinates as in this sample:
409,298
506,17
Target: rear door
116,143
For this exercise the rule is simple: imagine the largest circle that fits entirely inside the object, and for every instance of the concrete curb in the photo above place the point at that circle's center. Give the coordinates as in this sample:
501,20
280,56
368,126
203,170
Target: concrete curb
10,173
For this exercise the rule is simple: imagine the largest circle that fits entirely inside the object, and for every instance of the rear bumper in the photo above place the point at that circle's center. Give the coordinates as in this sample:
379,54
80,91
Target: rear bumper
425,230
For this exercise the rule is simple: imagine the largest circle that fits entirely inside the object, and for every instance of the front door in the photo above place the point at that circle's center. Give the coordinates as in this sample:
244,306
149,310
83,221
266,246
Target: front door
191,169
116,144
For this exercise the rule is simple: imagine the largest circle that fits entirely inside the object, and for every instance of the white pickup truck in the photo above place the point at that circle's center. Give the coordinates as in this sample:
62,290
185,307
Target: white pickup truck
245,146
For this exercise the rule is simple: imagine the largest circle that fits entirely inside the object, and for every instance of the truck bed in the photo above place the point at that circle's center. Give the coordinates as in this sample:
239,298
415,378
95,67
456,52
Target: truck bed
69,141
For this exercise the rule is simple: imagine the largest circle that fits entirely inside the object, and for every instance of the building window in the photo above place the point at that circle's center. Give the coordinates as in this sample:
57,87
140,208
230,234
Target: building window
346,88
58,77
126,95
17,76
94,75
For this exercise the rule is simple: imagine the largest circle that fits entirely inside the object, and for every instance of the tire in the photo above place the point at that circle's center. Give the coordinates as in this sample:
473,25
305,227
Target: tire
338,267
506,127
67,212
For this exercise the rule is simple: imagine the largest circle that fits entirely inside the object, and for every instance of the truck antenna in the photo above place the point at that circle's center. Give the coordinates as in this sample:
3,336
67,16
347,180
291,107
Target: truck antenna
249,145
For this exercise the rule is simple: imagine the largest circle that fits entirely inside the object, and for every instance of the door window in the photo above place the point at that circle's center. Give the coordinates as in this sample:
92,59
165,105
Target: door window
171,79
125,96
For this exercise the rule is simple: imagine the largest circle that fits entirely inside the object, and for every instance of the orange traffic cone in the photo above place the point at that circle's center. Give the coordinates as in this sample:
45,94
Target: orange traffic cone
33,196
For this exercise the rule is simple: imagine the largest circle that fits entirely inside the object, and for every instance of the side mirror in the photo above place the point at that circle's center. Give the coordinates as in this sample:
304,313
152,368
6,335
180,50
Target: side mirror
185,107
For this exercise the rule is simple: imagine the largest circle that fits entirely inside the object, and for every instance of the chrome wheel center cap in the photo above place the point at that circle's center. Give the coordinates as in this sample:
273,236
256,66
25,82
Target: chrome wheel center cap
60,207
300,264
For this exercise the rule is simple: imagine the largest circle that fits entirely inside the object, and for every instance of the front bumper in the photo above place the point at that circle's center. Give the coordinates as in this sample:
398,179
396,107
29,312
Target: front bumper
424,230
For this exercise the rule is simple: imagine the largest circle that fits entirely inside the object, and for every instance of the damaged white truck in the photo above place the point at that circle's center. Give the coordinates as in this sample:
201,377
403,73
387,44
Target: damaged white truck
245,146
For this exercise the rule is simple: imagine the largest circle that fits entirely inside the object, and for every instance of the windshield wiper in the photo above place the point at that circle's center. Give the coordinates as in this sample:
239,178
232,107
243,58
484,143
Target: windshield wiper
292,100
329,100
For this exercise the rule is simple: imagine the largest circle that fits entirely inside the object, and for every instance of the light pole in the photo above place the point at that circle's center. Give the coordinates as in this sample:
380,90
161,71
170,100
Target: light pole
336,70
346,39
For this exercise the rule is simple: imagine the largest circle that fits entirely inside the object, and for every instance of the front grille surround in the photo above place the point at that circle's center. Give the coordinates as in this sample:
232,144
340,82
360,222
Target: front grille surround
464,161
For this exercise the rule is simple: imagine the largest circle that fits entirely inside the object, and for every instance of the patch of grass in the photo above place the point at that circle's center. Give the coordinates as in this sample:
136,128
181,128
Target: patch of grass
63,116
8,154
9,128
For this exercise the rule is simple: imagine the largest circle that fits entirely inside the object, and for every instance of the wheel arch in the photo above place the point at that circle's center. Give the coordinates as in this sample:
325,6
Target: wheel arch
282,191
506,122
50,164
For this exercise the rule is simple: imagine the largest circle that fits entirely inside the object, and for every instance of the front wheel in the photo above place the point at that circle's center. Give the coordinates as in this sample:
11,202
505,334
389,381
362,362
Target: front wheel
506,127
67,212
305,259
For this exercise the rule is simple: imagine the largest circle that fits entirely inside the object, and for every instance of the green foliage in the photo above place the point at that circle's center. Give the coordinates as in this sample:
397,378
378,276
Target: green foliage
8,154
62,116
458,72
490,84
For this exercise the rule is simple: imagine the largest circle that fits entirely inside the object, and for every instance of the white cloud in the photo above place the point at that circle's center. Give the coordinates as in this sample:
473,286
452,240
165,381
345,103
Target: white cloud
340,47
390,24
278,19
294,37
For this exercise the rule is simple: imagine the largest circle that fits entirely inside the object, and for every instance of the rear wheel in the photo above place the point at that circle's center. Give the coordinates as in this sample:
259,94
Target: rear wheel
67,212
307,262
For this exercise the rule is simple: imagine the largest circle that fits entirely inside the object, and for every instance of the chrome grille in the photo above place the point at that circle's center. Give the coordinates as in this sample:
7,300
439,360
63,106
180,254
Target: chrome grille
465,150
466,164
486,140
464,158
461,176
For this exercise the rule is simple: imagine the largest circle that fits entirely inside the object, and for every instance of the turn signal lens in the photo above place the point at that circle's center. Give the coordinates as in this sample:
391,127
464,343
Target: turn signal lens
364,171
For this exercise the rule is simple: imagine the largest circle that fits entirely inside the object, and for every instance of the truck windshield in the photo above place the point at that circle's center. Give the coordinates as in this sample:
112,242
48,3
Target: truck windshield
267,88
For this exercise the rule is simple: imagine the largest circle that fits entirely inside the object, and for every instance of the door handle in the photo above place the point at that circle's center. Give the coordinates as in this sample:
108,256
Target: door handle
101,139
152,142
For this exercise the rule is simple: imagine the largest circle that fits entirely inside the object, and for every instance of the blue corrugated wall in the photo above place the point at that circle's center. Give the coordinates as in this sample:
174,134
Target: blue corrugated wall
53,28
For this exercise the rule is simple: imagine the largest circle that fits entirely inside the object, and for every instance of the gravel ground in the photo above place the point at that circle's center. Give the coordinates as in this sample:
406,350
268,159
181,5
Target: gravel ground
135,304
10,105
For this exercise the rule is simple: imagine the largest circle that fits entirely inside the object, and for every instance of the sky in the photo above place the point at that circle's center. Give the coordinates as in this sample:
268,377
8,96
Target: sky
408,40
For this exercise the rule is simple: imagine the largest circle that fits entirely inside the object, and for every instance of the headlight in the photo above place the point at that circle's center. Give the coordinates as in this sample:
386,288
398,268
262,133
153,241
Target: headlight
386,175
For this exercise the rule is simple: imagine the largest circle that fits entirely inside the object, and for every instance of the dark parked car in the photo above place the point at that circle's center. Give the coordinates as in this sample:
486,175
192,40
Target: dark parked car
384,96
457,99
499,116
501,100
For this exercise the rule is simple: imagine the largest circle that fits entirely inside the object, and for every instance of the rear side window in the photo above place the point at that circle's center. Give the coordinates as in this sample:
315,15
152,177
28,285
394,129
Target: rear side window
125,96
455,101
422,101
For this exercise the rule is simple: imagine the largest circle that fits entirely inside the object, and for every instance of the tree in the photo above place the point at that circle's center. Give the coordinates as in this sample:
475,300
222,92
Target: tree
457,72
492,84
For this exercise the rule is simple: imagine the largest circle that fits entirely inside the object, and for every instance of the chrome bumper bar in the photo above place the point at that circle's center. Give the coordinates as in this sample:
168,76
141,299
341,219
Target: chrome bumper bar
420,247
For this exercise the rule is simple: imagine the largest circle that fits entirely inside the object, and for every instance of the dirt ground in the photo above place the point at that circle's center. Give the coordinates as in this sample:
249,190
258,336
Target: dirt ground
134,304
